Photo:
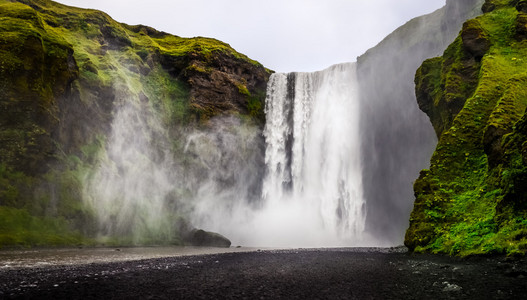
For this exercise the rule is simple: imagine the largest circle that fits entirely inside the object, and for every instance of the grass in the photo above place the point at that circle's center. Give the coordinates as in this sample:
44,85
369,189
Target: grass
20,229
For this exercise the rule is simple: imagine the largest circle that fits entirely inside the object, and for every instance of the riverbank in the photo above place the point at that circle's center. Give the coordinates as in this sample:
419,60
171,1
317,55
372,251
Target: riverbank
341,273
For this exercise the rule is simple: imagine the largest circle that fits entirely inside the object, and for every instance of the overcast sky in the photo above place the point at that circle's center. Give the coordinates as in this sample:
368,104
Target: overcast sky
284,35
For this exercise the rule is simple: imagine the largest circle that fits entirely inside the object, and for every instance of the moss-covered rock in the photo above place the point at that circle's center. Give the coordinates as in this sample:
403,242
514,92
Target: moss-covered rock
472,200
62,72
475,38
35,68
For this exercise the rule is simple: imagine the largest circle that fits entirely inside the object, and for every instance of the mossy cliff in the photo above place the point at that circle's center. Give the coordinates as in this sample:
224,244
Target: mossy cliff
473,199
397,138
63,70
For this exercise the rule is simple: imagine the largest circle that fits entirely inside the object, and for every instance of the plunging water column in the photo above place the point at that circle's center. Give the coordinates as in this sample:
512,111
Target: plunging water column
312,191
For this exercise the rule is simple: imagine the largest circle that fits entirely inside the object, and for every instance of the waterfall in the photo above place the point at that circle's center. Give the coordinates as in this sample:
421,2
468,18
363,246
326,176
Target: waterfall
302,187
313,184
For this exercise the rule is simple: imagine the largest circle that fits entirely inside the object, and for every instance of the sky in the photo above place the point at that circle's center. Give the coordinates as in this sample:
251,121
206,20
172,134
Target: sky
283,35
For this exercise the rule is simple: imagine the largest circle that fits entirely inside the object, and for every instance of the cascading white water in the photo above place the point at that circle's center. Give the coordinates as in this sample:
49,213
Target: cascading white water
313,190
311,193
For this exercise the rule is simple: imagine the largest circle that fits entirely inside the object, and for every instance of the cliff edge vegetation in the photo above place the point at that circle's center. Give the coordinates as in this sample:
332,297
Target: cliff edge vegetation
473,199
63,70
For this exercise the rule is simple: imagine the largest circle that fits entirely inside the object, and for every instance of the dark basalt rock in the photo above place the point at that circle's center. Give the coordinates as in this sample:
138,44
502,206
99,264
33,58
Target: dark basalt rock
202,238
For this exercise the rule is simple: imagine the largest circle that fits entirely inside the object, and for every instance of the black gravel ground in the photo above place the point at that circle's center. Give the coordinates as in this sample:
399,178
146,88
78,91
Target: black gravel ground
284,274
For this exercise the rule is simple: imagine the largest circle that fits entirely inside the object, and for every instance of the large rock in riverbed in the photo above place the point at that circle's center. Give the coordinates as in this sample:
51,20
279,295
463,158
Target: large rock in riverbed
202,238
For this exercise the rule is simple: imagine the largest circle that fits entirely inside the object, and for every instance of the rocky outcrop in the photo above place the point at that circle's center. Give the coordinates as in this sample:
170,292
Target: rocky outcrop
54,86
64,71
442,96
221,83
472,200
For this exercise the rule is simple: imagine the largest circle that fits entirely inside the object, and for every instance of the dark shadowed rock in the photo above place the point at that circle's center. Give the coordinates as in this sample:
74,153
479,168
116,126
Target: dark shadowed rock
202,238
475,39
492,143
521,6
488,7
521,25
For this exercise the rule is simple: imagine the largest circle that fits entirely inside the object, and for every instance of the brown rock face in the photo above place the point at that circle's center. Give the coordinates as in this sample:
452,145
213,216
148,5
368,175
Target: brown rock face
226,86
220,83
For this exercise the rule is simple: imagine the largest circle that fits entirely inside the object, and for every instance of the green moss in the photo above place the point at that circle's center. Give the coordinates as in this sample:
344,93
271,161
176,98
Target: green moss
169,96
205,47
242,89
19,228
196,68
255,105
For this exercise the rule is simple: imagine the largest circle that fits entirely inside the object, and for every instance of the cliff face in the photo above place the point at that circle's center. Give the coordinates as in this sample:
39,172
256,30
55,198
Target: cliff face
473,197
63,70
397,139
60,64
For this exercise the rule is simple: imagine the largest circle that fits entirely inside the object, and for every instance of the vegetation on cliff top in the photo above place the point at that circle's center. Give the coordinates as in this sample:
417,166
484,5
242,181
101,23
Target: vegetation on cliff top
62,71
473,199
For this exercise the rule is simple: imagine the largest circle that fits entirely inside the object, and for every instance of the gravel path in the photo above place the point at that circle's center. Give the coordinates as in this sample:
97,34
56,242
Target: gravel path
277,274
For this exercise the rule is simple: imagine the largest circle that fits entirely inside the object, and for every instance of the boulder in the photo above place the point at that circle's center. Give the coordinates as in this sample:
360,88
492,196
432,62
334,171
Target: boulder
202,238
